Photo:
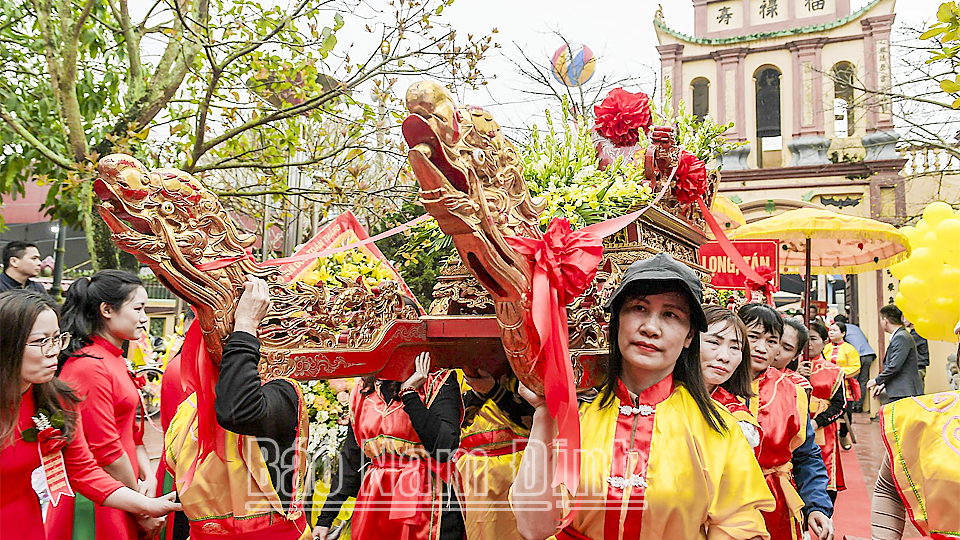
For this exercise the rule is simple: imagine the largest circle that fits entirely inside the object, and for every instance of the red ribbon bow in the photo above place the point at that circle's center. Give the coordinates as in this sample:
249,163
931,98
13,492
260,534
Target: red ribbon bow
564,263
51,440
764,287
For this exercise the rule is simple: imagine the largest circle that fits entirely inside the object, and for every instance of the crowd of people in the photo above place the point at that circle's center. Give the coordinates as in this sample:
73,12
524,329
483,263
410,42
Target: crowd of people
710,423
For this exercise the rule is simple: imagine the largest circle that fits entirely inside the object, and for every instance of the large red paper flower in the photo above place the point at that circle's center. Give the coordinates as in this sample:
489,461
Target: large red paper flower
690,182
622,115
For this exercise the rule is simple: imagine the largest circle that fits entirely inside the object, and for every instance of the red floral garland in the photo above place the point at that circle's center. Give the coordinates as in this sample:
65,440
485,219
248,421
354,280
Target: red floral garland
690,182
622,115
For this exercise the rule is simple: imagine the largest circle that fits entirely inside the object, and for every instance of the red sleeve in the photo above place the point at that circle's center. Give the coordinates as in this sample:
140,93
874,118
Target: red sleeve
85,475
95,385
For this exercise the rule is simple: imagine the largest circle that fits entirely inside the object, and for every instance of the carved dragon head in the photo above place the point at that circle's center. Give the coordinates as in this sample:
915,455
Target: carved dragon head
172,223
471,181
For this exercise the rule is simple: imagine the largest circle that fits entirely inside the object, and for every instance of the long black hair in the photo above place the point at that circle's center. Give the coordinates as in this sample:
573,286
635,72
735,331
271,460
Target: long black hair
687,369
739,382
19,310
390,390
81,307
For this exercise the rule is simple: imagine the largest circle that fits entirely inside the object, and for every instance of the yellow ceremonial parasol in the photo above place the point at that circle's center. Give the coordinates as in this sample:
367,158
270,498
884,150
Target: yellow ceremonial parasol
815,241
727,213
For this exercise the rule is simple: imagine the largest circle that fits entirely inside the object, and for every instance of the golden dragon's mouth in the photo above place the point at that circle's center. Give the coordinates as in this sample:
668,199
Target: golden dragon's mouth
115,211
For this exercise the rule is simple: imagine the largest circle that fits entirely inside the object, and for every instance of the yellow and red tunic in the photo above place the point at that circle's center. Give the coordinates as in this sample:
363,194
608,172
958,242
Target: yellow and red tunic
234,497
846,356
921,437
652,468
492,447
745,419
402,479
781,409
827,378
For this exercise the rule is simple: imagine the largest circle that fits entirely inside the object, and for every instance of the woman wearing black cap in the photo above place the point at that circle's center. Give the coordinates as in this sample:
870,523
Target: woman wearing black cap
659,458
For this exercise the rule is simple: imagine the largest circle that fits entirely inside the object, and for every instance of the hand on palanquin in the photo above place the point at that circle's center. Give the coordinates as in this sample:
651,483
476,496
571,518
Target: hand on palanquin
535,400
420,372
320,533
480,381
253,306
820,525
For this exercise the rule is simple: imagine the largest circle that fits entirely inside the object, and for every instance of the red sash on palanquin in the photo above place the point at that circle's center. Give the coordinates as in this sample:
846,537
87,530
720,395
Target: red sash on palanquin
781,409
234,497
402,489
827,379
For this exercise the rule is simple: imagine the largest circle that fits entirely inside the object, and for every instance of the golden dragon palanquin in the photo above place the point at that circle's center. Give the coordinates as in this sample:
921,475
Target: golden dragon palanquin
471,182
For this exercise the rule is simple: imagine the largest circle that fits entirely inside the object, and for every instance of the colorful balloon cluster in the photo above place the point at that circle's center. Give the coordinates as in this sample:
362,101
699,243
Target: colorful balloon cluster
930,279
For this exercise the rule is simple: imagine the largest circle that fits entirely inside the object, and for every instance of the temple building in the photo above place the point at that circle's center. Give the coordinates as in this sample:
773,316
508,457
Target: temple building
790,75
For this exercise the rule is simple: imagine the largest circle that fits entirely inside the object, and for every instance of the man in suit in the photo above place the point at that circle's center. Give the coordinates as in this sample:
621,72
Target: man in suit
900,376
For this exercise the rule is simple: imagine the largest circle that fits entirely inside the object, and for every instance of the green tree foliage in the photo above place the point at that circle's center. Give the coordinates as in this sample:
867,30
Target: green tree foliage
945,36
239,92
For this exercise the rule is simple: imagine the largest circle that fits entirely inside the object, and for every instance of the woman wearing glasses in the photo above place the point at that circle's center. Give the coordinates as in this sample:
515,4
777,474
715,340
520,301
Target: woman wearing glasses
30,340
101,313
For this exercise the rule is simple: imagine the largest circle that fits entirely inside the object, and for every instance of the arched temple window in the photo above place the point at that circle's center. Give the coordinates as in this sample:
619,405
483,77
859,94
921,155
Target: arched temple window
844,122
768,112
701,97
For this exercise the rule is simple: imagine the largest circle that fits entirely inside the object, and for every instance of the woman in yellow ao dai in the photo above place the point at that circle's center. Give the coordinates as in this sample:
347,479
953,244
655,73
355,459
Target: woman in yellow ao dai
660,460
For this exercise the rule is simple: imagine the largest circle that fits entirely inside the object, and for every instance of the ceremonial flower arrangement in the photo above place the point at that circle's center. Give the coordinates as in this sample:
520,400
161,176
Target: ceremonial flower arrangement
563,168
327,412
622,115
348,265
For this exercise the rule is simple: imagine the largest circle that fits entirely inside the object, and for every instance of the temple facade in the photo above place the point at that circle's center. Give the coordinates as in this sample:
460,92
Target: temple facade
792,76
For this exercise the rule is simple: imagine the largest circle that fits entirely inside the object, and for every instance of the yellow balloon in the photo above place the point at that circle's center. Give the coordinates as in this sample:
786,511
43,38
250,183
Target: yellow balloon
922,258
936,212
948,234
922,227
912,287
900,269
948,282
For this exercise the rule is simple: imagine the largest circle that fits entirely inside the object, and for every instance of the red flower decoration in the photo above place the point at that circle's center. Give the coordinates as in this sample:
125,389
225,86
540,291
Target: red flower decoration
690,182
766,288
51,440
621,116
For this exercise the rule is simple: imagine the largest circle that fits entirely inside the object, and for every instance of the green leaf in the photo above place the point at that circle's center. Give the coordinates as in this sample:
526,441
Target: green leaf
807,197
736,199
949,86
935,31
770,207
57,420
30,434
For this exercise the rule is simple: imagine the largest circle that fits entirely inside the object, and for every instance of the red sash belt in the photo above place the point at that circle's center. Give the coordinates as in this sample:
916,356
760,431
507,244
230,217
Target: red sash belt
412,484
284,529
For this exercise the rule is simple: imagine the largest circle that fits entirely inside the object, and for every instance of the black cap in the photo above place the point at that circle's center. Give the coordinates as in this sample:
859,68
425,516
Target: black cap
664,268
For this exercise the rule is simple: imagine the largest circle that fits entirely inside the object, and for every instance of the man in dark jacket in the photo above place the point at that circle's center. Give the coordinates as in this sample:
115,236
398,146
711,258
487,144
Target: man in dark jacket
923,354
21,262
900,376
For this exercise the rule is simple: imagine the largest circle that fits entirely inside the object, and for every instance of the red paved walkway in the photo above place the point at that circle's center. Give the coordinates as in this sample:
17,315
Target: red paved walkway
860,465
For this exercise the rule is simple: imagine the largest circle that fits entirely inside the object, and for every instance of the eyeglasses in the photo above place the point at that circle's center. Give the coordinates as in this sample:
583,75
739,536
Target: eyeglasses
52,343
